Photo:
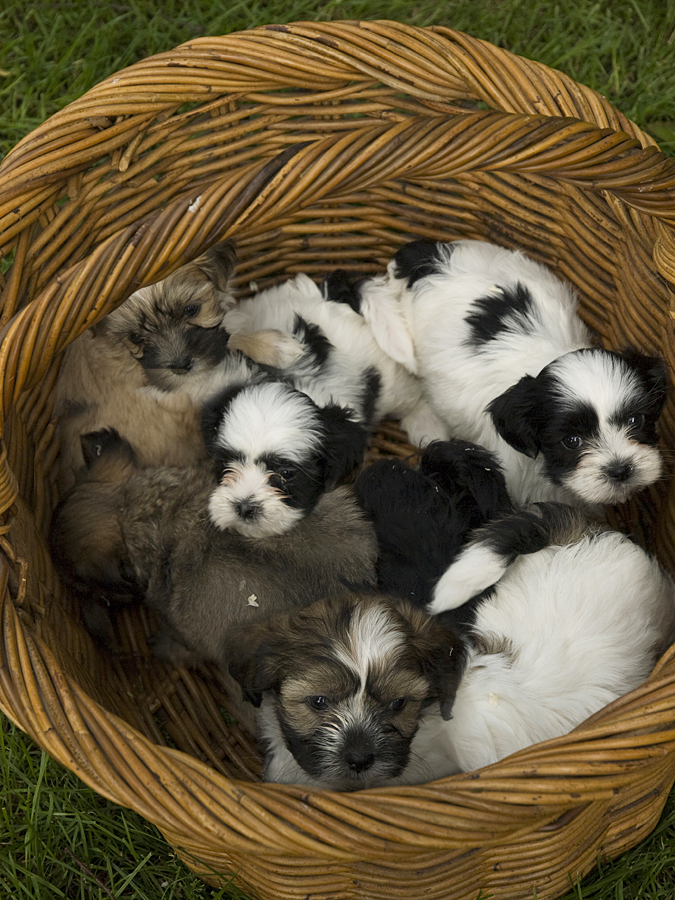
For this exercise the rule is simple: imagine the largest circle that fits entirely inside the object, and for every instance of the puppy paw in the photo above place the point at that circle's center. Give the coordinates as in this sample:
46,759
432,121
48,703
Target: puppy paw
269,347
475,569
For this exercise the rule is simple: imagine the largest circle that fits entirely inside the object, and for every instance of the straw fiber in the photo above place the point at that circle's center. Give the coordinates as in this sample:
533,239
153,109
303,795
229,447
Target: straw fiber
318,145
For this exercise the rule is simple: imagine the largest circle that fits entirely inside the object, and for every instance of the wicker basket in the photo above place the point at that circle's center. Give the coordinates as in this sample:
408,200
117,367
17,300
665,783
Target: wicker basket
319,145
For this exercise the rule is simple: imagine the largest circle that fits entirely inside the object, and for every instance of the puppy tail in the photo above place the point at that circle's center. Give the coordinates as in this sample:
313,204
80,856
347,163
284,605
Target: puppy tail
498,544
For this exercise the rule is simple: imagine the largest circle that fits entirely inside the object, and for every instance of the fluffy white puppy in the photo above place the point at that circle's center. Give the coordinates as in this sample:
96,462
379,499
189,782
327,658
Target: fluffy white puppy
339,361
507,363
567,629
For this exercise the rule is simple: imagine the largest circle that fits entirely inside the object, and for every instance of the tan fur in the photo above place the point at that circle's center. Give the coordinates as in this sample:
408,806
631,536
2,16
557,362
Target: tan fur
102,383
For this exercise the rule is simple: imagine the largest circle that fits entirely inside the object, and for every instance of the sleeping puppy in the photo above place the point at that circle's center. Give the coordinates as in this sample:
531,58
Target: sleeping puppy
146,368
126,531
576,622
507,362
340,361
276,453
354,689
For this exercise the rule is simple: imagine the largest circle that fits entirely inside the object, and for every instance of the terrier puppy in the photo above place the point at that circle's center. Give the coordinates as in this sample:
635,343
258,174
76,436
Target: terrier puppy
130,531
147,367
506,362
576,622
343,684
276,453
361,691
340,362
423,517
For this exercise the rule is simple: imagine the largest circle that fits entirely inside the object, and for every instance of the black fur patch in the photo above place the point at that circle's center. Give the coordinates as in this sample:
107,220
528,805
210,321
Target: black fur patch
371,393
418,259
313,338
498,312
341,287
422,518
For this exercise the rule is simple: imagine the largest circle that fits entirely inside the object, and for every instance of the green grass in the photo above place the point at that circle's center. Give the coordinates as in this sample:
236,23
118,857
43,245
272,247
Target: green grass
58,839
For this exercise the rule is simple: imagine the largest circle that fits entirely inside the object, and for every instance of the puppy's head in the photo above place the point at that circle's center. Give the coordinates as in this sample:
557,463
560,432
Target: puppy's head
276,452
86,537
592,415
171,328
349,678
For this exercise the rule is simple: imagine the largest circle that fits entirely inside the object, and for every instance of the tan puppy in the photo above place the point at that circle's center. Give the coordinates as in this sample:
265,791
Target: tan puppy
147,367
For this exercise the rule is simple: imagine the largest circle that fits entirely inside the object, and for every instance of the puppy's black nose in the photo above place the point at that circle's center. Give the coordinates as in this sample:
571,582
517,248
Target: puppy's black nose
359,757
182,366
247,509
619,471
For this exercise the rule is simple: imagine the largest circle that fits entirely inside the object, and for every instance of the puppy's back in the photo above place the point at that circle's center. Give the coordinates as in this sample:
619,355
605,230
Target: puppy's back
568,630
100,386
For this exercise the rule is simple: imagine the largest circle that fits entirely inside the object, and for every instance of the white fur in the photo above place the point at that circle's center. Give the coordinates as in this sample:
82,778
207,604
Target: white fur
249,482
341,379
270,418
475,569
578,626
372,639
424,328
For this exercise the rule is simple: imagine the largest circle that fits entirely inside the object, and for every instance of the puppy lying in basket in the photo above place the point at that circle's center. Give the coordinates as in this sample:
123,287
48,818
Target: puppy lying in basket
507,362
129,532
147,367
341,361
364,690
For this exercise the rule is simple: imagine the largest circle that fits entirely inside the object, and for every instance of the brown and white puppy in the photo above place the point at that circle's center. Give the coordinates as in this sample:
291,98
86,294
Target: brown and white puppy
343,685
130,531
146,368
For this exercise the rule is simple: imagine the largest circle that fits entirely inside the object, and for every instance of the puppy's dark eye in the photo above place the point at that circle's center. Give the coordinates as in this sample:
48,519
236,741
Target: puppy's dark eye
190,311
573,442
287,473
136,338
398,704
320,704
636,421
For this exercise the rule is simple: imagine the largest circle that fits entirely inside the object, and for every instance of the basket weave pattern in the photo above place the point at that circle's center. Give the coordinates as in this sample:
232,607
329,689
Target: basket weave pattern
316,146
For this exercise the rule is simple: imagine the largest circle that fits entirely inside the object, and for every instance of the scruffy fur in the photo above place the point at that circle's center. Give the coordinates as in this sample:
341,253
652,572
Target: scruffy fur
128,530
354,687
343,684
146,368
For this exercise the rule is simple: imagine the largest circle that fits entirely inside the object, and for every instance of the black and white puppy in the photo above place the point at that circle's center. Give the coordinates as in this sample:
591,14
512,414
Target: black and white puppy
507,363
276,452
339,360
423,516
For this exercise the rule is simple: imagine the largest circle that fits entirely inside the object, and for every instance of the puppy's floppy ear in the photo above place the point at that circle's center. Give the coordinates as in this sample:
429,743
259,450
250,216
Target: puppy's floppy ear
652,371
345,442
381,308
256,666
418,259
514,415
341,287
218,263
441,654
